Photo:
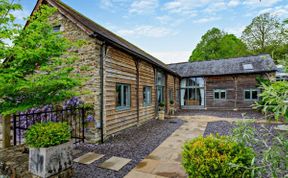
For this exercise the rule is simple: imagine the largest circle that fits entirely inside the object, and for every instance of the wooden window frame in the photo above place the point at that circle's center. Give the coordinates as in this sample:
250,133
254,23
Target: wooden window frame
128,97
251,90
219,91
145,103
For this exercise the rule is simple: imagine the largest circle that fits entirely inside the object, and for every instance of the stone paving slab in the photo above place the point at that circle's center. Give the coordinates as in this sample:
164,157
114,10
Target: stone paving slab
137,174
115,163
88,158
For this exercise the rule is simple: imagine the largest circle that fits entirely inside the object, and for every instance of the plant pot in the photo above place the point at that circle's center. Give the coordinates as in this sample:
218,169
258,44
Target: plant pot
161,115
45,162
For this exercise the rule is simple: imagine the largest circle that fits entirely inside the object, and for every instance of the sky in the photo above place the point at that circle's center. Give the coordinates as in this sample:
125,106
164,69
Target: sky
169,29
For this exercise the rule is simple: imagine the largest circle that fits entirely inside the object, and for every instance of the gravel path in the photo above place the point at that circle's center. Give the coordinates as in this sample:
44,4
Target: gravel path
135,143
250,114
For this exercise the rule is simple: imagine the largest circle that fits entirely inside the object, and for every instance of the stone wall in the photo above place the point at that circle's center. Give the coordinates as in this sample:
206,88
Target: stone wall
87,65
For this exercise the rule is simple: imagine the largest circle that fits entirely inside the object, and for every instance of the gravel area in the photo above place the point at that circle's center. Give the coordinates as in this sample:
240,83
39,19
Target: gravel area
249,114
135,143
262,132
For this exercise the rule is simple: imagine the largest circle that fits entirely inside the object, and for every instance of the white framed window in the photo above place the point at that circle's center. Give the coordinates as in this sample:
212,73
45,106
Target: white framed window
122,96
251,94
147,96
219,94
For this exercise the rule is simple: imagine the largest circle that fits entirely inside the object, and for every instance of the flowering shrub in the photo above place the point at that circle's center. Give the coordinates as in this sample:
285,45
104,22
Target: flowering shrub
43,135
216,156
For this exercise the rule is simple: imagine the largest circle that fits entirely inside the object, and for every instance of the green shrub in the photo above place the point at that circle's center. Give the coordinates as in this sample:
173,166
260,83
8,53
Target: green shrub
274,99
162,104
43,135
171,102
216,156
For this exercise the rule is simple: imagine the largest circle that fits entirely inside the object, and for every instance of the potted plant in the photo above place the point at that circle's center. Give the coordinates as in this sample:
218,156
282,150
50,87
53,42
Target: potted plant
171,109
161,111
50,149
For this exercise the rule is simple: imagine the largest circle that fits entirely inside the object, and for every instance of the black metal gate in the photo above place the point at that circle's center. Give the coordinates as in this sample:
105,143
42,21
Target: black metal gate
75,117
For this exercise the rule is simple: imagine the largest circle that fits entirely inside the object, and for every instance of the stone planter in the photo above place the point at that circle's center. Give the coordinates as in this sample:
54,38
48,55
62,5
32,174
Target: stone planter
161,115
45,162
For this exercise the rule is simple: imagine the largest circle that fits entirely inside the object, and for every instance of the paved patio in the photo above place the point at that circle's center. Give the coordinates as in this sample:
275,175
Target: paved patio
165,160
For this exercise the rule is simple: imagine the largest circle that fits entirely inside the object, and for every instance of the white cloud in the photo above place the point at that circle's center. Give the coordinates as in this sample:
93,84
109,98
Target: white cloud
280,11
143,6
146,31
185,7
111,4
206,19
215,7
235,30
169,57
262,3
21,14
233,3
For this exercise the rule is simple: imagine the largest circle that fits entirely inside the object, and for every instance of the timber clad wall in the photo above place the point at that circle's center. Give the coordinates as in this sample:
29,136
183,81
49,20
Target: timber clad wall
245,82
147,78
119,68
170,88
234,86
220,82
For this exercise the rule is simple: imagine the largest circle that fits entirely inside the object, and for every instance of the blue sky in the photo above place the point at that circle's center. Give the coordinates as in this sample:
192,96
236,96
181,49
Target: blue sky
170,29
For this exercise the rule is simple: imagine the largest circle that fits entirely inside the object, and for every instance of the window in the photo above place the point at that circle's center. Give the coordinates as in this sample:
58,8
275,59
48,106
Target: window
219,94
171,97
57,28
251,94
160,87
122,96
192,91
248,67
147,96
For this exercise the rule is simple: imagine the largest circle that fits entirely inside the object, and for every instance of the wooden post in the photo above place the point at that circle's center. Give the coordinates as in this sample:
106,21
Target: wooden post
6,124
137,62
235,92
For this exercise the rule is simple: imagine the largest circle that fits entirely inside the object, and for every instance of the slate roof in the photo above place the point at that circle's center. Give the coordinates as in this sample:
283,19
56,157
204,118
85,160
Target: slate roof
109,36
261,64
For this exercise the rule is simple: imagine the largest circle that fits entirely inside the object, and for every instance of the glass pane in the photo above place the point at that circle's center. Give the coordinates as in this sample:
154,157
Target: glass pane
247,94
223,94
144,96
148,89
125,96
200,82
254,95
118,95
216,95
160,79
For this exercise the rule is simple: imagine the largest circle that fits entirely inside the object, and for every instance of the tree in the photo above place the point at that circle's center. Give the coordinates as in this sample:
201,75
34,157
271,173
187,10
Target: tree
216,44
38,69
264,35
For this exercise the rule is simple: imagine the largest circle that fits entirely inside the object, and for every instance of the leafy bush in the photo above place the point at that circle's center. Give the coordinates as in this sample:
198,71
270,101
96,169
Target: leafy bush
162,104
216,156
43,135
171,102
271,148
274,99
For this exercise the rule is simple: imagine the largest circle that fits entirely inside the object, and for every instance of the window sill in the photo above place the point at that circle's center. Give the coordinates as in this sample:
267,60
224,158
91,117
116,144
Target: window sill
122,108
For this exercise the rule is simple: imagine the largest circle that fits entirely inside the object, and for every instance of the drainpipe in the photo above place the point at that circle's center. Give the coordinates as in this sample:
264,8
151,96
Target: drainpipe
102,55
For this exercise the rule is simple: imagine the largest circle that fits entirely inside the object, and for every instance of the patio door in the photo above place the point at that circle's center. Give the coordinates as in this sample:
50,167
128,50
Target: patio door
192,92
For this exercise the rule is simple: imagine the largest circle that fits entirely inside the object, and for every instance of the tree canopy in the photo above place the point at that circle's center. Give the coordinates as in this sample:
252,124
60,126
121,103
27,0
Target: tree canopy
216,44
266,34
38,70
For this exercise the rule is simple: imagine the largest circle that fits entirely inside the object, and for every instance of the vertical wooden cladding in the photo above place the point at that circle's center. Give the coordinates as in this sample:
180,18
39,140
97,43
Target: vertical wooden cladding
177,93
169,88
147,78
220,82
245,82
119,68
